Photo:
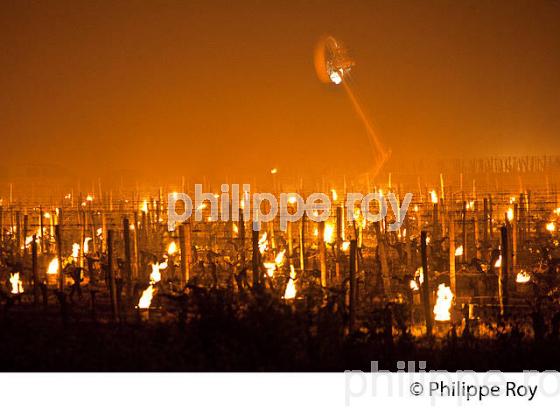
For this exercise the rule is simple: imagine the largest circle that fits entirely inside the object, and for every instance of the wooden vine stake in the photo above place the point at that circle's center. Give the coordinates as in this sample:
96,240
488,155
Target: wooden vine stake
186,252
111,275
452,276
426,284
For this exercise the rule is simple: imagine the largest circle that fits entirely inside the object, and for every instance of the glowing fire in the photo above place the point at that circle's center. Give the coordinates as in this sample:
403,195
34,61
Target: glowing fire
510,214
86,244
270,268
336,77
523,277
263,243
345,246
235,229
172,248
279,260
155,274
459,251
414,285
419,274
29,239
75,250
334,195
290,292
328,234
433,197
53,267
148,294
144,207
551,227
146,298
17,284
498,263
443,303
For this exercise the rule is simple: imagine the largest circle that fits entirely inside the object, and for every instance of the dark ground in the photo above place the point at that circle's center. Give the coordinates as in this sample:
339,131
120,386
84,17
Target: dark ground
262,334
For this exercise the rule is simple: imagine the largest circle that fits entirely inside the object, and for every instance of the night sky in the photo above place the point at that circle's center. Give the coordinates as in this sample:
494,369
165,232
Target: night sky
208,88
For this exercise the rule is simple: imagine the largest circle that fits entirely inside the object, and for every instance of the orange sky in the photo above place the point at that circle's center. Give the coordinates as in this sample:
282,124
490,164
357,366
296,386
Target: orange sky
205,87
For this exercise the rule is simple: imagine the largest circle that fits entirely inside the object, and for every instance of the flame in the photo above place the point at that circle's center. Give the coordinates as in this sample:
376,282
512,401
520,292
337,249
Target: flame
47,215
443,303
345,246
99,232
511,199
270,268
459,251
336,77
172,248
334,195
53,267
290,292
89,198
523,277
155,274
498,263
86,244
509,214
419,274
29,239
146,298
274,171
279,260
17,284
470,205
263,243
328,233
75,250
551,227
144,207
235,229
433,197
557,211
292,199
414,285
